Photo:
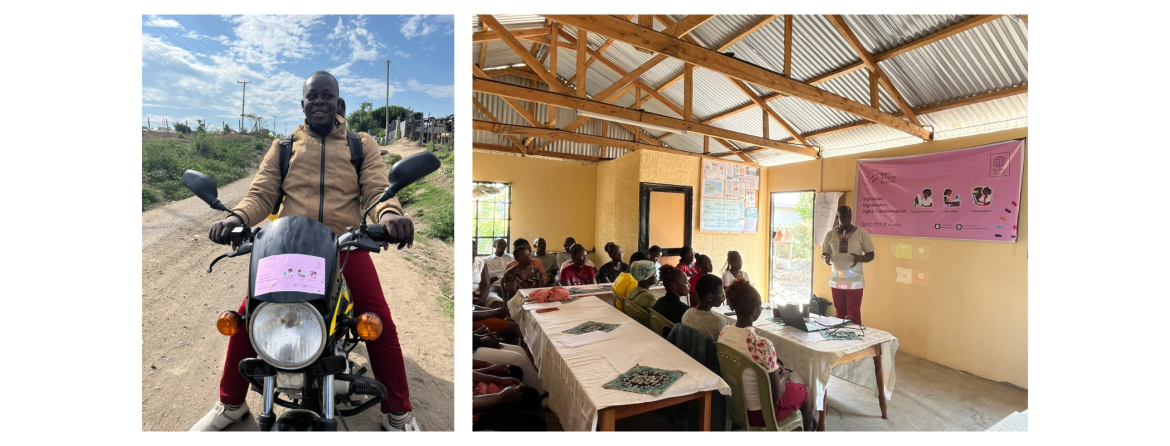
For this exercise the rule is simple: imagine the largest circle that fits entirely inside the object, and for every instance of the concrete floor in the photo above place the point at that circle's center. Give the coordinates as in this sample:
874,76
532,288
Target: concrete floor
927,397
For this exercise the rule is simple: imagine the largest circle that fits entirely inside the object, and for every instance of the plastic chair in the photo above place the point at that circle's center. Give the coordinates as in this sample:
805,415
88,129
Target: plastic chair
618,301
637,313
660,324
732,364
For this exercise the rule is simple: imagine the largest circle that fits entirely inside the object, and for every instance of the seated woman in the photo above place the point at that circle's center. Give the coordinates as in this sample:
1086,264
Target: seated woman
671,306
516,244
686,260
576,271
609,272
643,272
502,404
710,292
625,282
703,267
501,359
786,395
524,274
496,320
733,269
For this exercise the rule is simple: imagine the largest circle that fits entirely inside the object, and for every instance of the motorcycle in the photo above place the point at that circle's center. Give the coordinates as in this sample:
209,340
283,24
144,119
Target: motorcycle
299,315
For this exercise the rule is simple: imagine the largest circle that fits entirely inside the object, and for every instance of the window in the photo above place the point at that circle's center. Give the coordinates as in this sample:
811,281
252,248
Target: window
493,206
792,247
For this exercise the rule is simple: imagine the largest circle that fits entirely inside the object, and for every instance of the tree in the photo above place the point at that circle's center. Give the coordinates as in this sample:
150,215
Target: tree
202,128
257,121
226,129
361,119
181,128
396,112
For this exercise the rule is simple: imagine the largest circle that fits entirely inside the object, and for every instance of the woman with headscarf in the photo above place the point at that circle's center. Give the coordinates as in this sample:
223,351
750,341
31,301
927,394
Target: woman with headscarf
609,272
577,272
625,281
643,272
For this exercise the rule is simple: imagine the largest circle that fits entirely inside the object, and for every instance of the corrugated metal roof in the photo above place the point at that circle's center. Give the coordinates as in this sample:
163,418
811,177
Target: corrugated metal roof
987,58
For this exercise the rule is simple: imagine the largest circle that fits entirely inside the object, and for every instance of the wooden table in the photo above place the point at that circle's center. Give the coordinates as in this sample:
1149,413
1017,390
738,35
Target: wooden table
574,376
813,363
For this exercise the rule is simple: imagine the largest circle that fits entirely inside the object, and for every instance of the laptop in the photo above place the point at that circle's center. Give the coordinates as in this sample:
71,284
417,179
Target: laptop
791,316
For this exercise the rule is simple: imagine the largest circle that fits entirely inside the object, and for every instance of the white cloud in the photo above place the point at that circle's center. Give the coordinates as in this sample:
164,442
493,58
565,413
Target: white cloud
404,55
416,26
432,90
159,22
270,40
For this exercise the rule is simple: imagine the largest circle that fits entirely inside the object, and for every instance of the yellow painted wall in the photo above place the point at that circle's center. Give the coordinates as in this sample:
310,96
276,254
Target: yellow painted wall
550,199
973,315
617,208
667,168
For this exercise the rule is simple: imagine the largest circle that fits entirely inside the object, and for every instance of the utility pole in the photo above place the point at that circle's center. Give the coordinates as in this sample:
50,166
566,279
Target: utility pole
388,96
148,125
243,100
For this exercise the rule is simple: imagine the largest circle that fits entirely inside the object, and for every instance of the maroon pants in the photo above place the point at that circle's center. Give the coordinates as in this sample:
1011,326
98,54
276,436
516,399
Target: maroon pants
848,302
385,353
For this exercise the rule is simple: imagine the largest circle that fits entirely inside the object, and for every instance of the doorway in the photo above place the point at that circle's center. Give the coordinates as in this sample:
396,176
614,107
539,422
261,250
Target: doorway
791,248
665,219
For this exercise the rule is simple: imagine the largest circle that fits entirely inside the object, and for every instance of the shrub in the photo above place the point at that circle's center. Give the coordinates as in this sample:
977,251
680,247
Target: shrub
410,193
148,196
392,158
441,222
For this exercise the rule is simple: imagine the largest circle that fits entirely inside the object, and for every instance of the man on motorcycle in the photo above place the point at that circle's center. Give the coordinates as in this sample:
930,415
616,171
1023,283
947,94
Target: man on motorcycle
322,184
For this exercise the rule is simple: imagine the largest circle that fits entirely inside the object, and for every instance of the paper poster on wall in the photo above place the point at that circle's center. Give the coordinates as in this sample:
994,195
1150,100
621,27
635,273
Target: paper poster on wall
725,183
966,194
714,170
752,180
721,215
750,217
733,190
712,188
824,214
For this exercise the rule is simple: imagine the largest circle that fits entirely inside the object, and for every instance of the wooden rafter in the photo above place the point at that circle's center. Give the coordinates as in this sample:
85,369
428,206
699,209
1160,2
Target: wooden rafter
695,54
573,102
509,149
561,135
871,62
684,26
552,67
767,110
528,116
482,54
487,36
732,41
688,92
734,150
491,117
535,65
582,67
788,45
1007,92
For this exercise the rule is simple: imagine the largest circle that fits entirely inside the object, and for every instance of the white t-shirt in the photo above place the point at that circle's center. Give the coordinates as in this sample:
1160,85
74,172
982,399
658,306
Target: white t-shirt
844,276
923,201
728,277
496,266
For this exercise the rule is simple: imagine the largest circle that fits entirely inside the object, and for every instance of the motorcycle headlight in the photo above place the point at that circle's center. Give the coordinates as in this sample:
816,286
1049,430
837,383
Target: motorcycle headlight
287,335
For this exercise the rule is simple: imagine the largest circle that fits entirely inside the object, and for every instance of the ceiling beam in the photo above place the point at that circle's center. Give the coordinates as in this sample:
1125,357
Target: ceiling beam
573,102
561,135
788,46
871,62
732,41
617,69
582,67
509,149
535,65
488,36
482,54
1007,92
768,110
734,150
491,117
729,66
686,25
524,113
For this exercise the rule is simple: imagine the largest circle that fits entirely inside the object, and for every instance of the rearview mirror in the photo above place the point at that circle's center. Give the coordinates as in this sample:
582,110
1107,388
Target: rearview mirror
409,170
203,187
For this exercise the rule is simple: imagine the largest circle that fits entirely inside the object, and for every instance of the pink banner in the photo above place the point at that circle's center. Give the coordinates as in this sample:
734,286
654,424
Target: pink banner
968,194
290,272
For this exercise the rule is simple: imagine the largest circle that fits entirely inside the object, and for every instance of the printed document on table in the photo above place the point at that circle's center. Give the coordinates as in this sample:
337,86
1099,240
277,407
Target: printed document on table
808,337
541,306
584,339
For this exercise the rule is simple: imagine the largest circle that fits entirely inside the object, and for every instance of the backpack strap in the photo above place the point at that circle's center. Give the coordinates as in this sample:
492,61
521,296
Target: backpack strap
357,154
285,148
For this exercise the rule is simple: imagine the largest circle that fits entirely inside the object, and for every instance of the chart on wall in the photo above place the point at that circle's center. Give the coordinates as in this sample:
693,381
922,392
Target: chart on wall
730,198
968,194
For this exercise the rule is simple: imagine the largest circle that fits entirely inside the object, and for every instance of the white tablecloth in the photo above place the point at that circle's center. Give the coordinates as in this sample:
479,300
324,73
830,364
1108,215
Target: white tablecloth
812,363
574,376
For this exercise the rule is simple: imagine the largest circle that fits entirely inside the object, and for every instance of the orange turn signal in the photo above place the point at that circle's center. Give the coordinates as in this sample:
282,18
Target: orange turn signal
369,326
228,323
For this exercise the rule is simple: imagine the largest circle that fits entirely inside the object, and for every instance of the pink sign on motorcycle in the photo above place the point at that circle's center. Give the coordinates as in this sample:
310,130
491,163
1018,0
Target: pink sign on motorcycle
290,272
968,194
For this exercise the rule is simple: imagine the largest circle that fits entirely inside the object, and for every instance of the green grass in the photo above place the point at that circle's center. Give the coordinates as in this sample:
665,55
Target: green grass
223,158
446,303
432,200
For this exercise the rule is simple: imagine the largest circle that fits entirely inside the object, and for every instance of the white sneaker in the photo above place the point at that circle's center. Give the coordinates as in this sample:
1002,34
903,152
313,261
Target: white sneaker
220,417
410,426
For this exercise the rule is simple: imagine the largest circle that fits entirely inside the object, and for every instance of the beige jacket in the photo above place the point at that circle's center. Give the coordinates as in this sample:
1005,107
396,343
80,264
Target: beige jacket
330,196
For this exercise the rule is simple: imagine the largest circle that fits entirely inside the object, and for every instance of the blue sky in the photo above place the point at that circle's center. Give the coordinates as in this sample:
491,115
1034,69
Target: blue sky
190,64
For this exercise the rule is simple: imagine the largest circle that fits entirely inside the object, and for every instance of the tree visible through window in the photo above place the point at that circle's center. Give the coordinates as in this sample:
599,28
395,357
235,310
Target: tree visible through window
493,206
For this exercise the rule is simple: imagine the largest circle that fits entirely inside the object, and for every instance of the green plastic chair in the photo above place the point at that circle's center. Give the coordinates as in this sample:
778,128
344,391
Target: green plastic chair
732,364
660,324
618,301
636,312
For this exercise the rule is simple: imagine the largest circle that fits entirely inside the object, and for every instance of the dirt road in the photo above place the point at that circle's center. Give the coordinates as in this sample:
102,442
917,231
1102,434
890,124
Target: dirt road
183,354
